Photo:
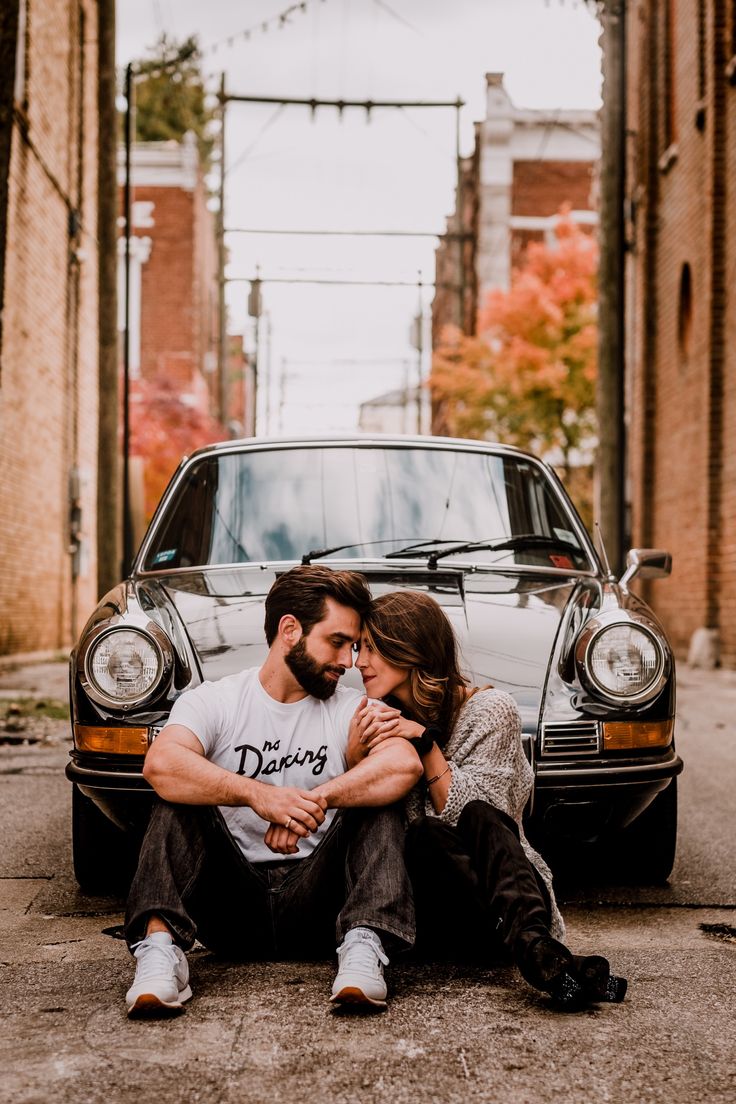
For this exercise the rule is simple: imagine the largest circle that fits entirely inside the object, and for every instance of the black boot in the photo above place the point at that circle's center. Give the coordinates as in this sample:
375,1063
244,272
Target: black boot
573,981
597,980
548,965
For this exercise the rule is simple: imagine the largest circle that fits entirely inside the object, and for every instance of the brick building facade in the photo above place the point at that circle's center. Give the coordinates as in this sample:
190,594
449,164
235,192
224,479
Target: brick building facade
173,315
525,166
173,268
681,309
48,356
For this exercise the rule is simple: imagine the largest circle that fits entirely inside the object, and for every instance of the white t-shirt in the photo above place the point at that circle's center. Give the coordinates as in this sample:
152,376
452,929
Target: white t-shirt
243,729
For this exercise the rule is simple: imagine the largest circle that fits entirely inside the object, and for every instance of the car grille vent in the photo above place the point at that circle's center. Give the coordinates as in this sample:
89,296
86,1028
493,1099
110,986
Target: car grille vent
570,738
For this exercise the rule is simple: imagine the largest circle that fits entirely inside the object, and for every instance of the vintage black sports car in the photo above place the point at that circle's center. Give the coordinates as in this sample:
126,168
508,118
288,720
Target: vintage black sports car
487,530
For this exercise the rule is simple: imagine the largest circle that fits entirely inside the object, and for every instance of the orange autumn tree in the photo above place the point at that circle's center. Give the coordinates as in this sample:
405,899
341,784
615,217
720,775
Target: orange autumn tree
164,427
528,377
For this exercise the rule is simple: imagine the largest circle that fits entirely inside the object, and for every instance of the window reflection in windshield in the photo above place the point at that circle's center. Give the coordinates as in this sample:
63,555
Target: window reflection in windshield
277,504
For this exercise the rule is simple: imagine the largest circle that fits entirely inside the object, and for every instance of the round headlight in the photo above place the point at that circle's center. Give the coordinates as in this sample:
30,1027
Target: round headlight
625,661
124,666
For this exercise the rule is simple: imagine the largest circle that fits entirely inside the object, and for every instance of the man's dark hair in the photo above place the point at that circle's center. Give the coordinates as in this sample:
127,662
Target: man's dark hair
302,592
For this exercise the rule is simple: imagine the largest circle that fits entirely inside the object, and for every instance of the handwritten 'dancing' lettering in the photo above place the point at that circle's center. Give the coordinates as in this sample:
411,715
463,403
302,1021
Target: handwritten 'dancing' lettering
253,761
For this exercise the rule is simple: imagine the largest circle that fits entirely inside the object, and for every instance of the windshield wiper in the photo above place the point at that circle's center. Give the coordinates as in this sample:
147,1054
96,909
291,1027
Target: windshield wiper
317,553
508,544
411,548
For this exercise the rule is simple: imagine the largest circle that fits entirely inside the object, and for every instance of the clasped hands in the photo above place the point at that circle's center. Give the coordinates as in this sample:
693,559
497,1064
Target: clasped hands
373,722
293,813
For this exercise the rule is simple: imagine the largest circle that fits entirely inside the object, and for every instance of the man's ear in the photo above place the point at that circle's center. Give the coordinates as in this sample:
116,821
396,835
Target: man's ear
290,629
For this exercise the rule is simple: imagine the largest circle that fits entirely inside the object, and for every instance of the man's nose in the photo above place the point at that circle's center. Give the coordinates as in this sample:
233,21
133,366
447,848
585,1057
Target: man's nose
346,655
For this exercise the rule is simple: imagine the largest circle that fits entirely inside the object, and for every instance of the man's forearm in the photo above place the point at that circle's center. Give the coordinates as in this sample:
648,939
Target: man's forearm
185,778
384,776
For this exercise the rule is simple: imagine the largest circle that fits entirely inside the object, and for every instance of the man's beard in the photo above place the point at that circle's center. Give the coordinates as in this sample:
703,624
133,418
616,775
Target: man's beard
310,675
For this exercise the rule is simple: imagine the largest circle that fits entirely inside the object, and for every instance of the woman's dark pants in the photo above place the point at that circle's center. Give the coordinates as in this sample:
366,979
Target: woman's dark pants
192,874
475,891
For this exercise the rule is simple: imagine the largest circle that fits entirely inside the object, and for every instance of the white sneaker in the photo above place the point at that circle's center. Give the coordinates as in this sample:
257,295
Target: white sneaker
359,980
161,982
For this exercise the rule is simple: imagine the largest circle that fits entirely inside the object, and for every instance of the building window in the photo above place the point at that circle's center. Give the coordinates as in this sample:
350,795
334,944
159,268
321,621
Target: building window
19,89
701,48
731,67
685,313
667,54
702,72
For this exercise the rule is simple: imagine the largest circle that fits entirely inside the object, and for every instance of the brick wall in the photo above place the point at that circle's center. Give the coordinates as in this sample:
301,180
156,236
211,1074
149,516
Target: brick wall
178,283
167,311
48,385
682,365
542,187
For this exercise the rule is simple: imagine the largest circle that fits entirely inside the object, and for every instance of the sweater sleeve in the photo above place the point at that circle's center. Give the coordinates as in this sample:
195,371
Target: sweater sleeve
487,758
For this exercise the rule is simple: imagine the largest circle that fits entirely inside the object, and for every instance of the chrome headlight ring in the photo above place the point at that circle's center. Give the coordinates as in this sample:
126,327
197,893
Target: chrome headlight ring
622,659
142,657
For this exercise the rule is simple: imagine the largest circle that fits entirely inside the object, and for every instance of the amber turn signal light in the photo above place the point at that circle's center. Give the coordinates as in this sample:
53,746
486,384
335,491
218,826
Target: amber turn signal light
114,741
626,735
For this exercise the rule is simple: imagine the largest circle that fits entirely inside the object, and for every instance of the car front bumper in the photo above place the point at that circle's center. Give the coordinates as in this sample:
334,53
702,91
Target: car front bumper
586,802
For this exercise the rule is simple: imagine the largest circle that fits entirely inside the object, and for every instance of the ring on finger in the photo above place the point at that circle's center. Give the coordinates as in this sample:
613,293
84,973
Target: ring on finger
288,823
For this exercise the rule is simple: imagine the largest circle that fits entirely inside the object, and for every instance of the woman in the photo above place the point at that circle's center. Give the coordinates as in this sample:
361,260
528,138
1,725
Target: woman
477,880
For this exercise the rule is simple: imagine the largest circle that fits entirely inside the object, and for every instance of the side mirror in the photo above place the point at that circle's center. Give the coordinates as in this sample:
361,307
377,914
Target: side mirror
650,563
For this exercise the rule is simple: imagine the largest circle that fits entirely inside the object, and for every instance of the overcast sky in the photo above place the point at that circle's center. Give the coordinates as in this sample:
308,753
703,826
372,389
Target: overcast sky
337,346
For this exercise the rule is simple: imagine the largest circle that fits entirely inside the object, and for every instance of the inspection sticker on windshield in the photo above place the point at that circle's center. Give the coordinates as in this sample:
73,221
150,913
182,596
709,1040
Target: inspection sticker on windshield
164,557
558,560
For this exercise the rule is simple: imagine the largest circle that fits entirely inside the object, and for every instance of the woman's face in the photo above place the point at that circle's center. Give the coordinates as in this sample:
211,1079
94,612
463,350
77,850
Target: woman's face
380,677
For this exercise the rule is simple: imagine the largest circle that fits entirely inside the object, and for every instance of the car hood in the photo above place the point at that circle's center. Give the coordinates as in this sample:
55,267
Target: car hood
506,623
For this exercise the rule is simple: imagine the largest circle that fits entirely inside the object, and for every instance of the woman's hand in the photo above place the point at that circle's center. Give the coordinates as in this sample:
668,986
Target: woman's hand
384,727
370,720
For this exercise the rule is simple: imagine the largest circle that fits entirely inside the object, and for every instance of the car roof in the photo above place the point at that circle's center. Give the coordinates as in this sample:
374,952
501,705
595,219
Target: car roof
397,440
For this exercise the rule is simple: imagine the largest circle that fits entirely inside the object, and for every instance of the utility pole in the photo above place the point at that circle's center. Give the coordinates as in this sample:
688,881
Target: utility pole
133,70
221,309
460,225
267,374
611,458
418,343
254,310
108,463
127,209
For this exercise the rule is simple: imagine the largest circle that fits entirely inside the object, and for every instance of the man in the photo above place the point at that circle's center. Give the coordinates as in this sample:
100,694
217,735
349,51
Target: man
274,821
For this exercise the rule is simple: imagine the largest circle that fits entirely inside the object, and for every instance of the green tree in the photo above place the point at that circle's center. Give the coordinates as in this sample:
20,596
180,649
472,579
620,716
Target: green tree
170,96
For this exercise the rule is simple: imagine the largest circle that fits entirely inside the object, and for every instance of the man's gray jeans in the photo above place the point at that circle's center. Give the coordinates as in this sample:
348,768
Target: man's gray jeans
192,874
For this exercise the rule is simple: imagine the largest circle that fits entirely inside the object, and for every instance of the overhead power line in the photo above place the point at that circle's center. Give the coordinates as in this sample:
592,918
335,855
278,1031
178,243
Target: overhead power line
338,233
366,105
321,280
261,27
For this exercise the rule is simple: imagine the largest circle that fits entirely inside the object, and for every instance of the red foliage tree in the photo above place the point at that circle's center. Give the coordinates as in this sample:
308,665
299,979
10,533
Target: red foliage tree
528,377
166,425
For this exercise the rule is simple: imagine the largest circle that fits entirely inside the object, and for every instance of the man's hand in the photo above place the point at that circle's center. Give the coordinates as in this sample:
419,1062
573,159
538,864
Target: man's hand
301,810
280,840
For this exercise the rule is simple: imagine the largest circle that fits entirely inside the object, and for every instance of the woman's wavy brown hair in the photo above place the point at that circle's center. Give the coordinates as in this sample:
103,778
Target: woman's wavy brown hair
409,630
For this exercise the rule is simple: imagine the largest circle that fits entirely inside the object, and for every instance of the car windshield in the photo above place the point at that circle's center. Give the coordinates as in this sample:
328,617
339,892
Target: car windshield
283,503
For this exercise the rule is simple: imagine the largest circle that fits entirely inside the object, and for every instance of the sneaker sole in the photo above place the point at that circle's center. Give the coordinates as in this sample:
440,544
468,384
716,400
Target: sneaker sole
356,999
147,1006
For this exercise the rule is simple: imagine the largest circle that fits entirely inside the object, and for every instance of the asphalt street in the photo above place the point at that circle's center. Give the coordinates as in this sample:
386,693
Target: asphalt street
264,1032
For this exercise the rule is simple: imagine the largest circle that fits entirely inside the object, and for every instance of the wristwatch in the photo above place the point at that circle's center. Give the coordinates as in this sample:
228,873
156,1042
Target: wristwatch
423,744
